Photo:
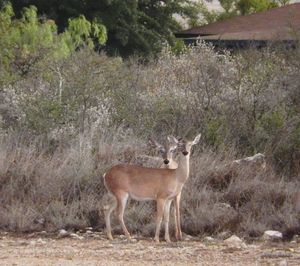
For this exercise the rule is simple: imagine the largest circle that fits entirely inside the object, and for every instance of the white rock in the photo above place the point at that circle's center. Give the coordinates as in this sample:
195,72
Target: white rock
296,238
283,263
41,242
187,237
23,243
272,235
76,236
222,205
233,239
208,239
37,242
63,233
32,243
224,235
235,242
40,221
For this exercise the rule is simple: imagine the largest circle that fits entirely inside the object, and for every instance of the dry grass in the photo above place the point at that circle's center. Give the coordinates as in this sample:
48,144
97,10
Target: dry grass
51,173
64,189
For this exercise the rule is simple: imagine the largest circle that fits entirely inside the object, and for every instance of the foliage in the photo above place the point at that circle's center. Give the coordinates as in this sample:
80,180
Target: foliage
252,6
26,42
74,93
82,31
133,27
64,189
232,8
69,113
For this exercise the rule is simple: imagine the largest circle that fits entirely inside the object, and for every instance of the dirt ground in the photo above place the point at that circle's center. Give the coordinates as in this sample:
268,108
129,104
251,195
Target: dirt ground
95,249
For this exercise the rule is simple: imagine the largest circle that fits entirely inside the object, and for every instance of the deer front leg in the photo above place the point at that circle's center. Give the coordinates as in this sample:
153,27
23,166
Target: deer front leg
166,218
160,204
178,233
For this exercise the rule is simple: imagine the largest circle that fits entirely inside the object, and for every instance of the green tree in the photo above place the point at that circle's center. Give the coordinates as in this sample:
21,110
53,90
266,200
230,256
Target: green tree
245,7
133,26
27,41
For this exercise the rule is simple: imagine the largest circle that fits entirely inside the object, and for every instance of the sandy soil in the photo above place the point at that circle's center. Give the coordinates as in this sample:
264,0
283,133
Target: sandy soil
94,249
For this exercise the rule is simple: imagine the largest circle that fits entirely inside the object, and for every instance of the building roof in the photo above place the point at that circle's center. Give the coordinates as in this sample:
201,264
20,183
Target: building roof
282,23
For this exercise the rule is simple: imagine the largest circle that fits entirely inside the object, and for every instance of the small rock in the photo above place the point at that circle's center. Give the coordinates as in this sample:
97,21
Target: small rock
224,235
235,242
89,228
223,205
41,242
96,236
233,238
63,233
208,239
32,243
187,237
76,236
22,243
40,221
37,242
296,238
89,232
272,235
283,263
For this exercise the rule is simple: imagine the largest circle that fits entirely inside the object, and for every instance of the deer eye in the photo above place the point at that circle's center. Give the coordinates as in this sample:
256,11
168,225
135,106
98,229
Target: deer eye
162,151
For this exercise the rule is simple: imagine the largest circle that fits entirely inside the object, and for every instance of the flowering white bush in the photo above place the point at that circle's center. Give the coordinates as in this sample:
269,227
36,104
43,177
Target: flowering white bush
63,126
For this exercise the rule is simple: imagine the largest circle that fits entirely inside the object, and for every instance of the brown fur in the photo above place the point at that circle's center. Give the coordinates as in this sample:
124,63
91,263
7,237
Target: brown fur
161,185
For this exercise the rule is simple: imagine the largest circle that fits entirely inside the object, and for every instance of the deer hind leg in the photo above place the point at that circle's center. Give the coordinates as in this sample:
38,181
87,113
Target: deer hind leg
108,209
160,205
178,233
121,204
166,219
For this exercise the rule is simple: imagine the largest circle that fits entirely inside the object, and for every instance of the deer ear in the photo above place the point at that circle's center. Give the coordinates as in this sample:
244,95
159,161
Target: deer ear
153,143
172,140
196,140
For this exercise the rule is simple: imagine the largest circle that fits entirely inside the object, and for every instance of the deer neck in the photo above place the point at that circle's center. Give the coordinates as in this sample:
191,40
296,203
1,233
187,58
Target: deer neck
183,169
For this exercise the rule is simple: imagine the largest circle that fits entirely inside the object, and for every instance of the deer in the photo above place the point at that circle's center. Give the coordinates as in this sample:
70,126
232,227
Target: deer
167,152
141,183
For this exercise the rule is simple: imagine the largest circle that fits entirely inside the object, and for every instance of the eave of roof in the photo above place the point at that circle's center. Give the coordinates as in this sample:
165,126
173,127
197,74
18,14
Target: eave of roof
277,23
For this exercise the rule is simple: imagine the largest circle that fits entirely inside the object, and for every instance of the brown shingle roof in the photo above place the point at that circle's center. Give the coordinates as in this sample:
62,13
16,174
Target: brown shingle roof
282,23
